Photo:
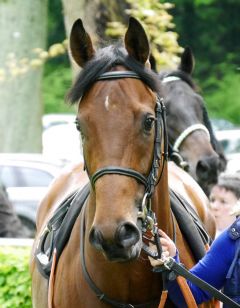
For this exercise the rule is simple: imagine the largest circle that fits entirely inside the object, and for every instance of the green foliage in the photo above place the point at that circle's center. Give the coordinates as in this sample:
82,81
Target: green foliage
158,23
211,28
56,31
56,82
15,282
222,95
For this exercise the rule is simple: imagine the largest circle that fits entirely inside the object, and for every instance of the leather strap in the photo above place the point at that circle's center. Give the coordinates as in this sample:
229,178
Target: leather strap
52,280
171,265
100,295
163,299
187,294
118,75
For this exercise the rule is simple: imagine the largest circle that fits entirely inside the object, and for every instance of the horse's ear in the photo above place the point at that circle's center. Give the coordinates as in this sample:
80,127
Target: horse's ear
136,41
80,44
187,61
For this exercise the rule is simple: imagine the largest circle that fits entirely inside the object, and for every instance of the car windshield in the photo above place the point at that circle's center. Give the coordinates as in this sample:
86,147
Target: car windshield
14,176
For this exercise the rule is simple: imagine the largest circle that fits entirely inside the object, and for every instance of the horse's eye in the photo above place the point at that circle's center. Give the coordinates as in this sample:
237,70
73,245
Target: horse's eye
148,123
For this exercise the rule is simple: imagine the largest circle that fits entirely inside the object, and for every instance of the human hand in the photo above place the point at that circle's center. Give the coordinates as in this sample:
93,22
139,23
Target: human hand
168,248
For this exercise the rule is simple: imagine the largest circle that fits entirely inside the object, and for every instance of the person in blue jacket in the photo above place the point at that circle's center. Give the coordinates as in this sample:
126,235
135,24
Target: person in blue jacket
223,197
220,267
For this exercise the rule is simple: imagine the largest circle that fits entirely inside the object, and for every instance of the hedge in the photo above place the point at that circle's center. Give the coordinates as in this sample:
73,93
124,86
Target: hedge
15,281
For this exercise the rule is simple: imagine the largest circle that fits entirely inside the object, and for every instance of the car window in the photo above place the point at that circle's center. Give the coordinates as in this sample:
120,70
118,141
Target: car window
13,176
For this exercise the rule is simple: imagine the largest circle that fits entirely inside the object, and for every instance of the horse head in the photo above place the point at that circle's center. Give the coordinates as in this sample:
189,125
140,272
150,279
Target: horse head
116,117
189,128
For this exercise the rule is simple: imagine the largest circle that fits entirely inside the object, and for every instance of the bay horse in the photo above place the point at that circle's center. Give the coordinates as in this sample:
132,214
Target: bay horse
189,129
122,124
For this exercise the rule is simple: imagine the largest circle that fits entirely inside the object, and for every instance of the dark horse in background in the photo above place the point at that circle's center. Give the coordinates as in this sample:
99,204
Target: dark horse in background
190,131
121,120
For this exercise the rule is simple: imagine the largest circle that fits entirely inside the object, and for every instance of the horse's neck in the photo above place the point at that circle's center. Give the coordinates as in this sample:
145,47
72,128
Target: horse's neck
161,203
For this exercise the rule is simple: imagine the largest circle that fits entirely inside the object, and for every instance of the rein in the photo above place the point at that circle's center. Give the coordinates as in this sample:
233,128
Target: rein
173,268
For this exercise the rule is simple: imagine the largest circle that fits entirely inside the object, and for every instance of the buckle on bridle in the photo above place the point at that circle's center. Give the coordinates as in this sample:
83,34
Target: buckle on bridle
145,214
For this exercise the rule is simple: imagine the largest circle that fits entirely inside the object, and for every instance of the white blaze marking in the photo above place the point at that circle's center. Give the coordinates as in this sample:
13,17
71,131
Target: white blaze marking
107,102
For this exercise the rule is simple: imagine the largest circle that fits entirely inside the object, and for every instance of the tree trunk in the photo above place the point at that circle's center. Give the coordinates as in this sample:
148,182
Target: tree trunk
23,26
95,14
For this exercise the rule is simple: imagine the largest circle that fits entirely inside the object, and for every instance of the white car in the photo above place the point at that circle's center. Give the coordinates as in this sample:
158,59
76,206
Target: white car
233,163
63,142
52,119
230,140
26,178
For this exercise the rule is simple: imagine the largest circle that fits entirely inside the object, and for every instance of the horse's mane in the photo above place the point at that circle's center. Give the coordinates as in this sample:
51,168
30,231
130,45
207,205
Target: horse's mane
104,60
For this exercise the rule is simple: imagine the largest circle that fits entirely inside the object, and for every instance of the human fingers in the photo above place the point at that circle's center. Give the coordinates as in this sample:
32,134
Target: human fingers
163,234
168,245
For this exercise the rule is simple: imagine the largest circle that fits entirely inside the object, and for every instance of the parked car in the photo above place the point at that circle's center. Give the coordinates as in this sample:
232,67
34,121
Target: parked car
26,178
230,140
62,141
52,119
233,164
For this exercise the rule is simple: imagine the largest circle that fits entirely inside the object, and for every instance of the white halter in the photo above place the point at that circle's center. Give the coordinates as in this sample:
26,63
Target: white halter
170,78
187,132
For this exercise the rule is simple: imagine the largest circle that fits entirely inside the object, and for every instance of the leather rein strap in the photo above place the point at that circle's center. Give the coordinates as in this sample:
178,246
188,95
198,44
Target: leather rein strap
172,266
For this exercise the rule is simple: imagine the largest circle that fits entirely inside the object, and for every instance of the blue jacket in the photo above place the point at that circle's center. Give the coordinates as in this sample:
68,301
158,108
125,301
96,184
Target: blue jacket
220,267
232,284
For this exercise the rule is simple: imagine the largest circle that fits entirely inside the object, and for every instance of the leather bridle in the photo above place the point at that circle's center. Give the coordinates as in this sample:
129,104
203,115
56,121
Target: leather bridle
145,213
155,173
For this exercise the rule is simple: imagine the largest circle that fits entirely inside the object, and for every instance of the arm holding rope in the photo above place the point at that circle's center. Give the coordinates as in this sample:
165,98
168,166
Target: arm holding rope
212,268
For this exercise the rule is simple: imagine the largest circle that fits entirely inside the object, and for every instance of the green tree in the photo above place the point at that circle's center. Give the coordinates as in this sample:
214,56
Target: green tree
212,29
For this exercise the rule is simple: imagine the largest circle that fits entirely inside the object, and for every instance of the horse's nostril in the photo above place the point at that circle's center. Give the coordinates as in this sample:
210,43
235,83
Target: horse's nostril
96,238
127,235
202,169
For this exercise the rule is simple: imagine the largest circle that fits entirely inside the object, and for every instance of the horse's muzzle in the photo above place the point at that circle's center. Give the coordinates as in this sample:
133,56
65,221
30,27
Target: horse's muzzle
124,246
